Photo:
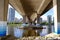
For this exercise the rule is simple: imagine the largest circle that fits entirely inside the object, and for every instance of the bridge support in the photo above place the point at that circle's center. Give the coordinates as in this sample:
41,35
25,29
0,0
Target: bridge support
56,7
3,16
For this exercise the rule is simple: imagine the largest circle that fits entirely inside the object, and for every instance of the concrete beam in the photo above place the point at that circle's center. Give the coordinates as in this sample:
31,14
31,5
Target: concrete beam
50,5
43,6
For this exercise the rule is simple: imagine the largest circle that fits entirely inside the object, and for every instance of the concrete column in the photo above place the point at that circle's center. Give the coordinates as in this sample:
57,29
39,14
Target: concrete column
56,7
3,16
49,24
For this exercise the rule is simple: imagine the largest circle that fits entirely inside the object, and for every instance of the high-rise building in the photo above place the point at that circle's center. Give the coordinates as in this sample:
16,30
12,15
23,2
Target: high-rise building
49,24
11,15
39,20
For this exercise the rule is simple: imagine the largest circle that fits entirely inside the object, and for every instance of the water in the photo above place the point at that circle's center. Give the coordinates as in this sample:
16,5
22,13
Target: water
44,31
19,32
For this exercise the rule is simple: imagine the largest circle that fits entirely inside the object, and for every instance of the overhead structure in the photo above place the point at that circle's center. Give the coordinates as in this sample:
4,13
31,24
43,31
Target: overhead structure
31,8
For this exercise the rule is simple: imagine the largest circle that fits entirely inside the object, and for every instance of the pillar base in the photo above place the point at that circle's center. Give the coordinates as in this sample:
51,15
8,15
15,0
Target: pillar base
58,28
3,25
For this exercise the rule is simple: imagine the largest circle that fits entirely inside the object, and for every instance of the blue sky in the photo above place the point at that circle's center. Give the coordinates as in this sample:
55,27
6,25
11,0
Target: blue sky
17,15
50,12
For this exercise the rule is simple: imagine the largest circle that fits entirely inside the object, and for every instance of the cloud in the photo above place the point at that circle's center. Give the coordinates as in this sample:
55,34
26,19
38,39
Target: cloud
10,6
44,17
17,15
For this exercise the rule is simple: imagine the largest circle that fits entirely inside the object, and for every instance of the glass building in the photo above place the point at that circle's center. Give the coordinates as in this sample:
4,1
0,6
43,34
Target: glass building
11,15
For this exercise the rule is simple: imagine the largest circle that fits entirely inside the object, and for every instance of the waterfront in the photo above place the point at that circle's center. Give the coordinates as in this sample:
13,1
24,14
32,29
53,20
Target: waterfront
19,32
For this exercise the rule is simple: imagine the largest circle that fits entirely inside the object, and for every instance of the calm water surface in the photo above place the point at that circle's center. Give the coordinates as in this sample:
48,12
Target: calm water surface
19,32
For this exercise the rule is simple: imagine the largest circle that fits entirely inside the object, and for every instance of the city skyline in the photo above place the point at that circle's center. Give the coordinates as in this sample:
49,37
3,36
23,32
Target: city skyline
44,17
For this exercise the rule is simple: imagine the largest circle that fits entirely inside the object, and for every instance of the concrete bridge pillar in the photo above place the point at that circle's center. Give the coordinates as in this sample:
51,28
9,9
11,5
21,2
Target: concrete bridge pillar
3,16
56,7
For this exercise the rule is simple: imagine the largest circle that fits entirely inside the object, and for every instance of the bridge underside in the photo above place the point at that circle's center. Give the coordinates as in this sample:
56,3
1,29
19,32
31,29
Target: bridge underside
31,8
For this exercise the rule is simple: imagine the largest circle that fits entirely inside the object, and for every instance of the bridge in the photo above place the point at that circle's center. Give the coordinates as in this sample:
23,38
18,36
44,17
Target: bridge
31,10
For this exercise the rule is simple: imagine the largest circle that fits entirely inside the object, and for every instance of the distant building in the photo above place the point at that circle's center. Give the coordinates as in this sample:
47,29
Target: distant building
11,15
25,19
49,24
39,20
49,18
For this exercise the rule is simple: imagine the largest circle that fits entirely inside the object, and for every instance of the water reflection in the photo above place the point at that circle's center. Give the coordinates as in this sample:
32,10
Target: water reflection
19,32
44,31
